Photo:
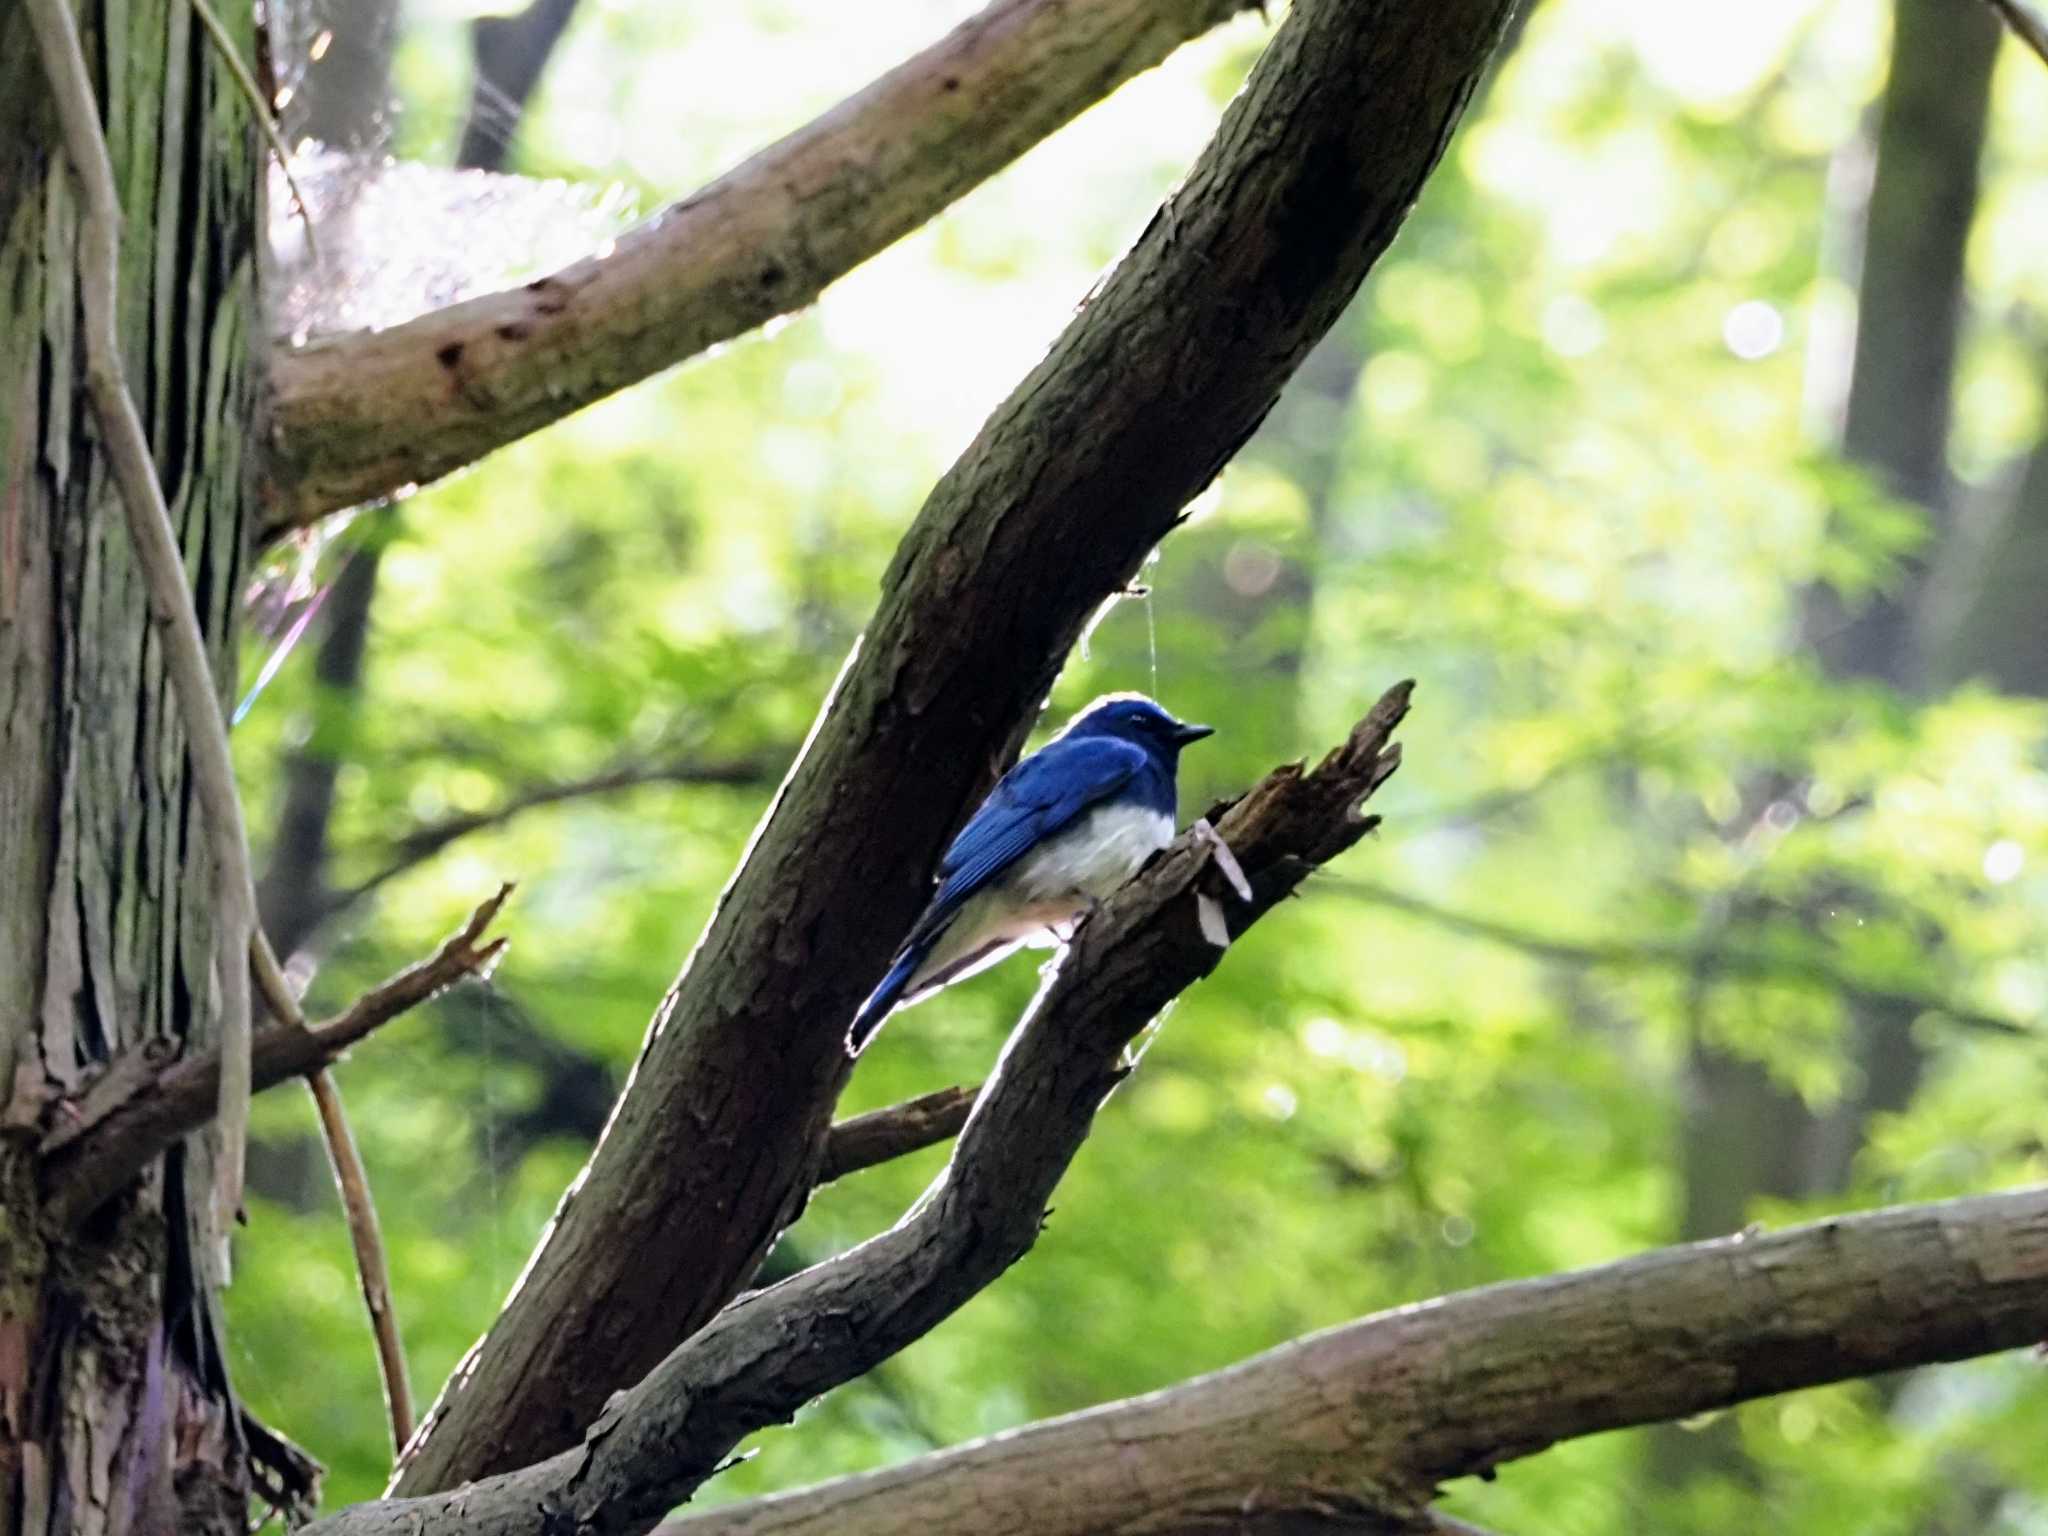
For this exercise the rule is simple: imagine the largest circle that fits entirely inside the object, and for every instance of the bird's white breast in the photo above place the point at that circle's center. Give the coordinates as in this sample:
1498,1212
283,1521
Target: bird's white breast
1045,890
1092,857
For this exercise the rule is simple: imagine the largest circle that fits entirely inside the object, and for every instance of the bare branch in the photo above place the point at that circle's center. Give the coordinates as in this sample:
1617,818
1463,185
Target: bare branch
882,1135
1707,957
762,1358
1368,1418
372,1272
2025,23
108,1135
360,415
170,601
424,842
1072,483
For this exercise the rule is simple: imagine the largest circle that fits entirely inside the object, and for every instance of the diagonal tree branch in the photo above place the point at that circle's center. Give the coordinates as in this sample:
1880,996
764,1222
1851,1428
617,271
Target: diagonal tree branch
2026,23
1353,1429
1074,480
357,416
762,1358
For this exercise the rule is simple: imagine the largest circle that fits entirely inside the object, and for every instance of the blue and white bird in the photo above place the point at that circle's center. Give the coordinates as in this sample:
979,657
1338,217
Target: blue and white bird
1061,830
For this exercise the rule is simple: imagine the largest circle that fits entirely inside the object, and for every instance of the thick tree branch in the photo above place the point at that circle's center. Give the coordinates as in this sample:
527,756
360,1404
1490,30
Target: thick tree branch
762,1358
1365,1420
1167,369
156,554
358,416
140,1105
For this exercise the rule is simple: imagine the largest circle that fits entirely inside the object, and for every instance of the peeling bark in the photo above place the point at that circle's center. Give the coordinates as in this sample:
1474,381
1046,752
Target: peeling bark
115,1409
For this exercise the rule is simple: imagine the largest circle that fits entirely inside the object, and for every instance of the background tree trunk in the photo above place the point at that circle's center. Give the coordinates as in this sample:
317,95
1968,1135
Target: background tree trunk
1744,1134
116,1413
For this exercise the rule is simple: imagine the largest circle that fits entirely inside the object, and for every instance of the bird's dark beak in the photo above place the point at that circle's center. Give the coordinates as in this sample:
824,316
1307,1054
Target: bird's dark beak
1183,734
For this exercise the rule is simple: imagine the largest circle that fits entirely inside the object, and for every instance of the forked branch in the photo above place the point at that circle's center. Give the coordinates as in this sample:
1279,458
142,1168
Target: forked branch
1074,480
140,1106
1354,1429
765,1356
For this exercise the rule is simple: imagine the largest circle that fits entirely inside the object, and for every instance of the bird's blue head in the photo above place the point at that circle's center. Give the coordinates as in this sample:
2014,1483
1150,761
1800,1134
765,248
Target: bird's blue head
1134,718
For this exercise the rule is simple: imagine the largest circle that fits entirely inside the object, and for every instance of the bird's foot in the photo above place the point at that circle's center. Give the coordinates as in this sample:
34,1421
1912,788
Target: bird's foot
1064,932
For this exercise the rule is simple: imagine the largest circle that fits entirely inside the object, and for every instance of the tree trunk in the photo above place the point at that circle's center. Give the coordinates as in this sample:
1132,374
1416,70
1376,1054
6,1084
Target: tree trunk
1744,1134
116,1414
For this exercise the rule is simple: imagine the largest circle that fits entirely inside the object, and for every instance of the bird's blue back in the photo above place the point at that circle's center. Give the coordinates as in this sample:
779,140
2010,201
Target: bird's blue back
1122,749
1034,800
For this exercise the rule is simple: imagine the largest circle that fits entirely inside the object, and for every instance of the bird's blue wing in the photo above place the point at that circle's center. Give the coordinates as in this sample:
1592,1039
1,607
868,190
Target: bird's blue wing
1031,802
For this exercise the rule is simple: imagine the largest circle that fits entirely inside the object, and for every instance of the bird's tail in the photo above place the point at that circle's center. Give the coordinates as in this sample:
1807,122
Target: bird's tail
887,991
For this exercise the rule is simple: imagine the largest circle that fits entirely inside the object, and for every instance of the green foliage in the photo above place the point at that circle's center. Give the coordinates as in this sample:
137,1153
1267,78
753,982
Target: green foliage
1568,462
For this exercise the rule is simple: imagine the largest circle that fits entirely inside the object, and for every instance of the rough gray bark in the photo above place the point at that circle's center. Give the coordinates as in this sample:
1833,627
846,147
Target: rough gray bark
1354,1429
357,416
1351,1430
1168,368
106,889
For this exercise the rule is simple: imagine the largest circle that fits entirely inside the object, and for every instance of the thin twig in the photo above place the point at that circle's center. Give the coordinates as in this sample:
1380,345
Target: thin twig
102,1143
2026,24
1762,964
156,550
414,848
225,46
359,1208
354,1184
458,955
